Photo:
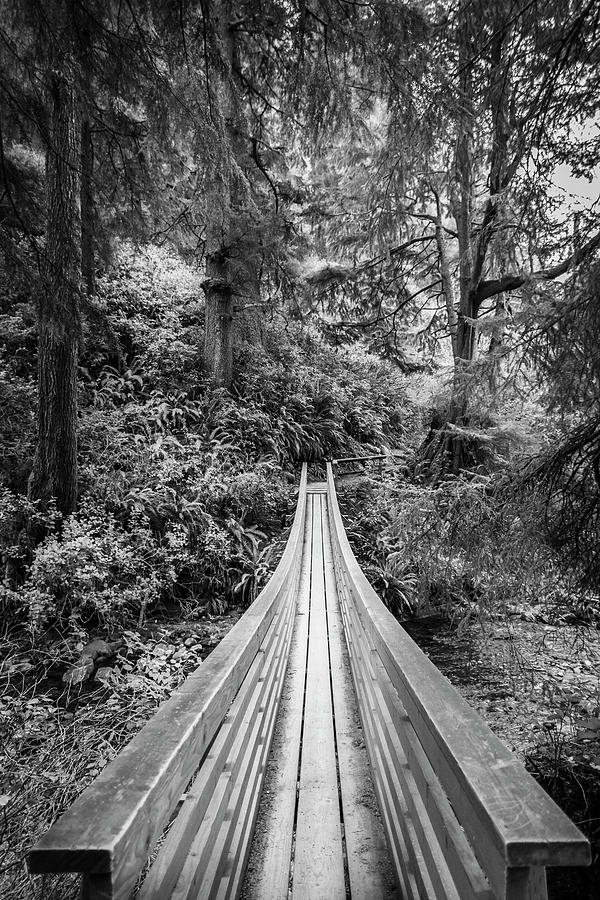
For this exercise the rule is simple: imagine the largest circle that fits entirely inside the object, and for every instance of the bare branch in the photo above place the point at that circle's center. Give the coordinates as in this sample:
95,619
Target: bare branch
495,286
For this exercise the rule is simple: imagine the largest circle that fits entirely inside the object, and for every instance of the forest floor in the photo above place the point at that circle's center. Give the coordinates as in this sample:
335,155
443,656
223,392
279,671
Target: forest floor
55,738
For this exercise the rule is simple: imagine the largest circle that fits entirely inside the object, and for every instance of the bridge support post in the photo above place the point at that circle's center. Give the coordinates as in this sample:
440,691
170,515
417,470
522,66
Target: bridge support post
526,883
96,887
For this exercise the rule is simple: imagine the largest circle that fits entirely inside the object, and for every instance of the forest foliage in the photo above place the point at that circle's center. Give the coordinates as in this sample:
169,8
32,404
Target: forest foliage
237,235
231,235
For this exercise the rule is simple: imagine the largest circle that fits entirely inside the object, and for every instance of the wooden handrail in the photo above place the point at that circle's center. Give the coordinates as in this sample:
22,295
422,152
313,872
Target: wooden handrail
349,459
109,832
464,820
437,765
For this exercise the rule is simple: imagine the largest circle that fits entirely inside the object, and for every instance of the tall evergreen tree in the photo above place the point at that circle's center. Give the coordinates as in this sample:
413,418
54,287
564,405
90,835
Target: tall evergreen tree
54,471
104,109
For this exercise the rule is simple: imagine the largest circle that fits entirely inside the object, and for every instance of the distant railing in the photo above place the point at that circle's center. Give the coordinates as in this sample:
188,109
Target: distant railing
215,729
464,819
345,461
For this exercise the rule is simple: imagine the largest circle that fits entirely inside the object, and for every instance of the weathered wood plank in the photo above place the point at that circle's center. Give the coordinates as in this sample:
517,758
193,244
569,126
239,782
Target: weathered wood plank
244,806
396,843
208,847
95,887
367,855
466,871
244,810
117,820
526,884
428,805
399,775
390,794
318,861
396,840
464,866
490,790
165,870
271,878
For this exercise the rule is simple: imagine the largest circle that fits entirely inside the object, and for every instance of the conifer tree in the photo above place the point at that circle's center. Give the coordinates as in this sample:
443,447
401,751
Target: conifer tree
54,471
106,86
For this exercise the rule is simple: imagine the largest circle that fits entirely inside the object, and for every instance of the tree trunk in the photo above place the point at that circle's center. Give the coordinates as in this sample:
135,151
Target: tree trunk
55,464
88,270
474,253
248,312
231,269
218,325
218,286
462,207
446,276
461,198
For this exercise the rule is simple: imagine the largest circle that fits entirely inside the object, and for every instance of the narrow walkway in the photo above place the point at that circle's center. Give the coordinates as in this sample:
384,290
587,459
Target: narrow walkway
318,832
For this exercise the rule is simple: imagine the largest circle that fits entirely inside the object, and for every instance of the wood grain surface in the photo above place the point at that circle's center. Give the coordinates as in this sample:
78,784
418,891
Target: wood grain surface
509,820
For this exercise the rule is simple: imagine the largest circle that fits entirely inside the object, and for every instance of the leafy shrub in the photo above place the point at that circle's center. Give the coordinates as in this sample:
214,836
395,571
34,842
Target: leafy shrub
16,427
564,346
475,544
465,546
21,522
367,524
150,298
186,485
118,385
319,401
94,570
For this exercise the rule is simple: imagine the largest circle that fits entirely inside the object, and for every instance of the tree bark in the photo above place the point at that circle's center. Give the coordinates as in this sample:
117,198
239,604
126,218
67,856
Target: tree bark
462,207
447,283
54,471
232,271
88,269
218,327
218,287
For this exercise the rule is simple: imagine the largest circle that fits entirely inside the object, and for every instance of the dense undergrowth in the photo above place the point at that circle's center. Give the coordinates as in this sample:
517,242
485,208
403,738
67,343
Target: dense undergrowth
475,546
182,487
185,492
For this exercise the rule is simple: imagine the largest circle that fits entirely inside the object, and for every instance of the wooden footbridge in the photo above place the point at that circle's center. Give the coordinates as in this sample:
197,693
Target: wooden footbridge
316,753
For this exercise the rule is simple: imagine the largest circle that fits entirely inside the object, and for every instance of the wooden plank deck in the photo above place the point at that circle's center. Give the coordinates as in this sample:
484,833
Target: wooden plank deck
318,833
463,819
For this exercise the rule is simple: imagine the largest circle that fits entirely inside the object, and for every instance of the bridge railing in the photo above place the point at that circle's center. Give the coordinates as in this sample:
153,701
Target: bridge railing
347,465
209,743
464,819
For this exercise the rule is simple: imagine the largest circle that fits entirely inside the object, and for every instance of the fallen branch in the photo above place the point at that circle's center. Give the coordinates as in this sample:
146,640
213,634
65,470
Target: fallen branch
92,655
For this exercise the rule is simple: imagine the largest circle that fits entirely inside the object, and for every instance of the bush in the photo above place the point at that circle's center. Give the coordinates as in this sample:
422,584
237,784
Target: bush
94,570
184,486
21,522
475,545
150,300
319,401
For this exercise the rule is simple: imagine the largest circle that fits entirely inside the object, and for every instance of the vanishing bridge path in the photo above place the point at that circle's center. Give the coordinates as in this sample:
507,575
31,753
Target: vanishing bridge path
316,753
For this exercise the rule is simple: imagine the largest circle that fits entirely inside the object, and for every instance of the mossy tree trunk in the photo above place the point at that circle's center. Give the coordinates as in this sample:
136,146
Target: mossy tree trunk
474,250
54,471
218,286
461,201
218,326
232,286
